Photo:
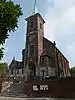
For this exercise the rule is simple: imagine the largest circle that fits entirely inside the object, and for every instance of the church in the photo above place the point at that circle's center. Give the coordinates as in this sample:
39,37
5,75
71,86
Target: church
41,57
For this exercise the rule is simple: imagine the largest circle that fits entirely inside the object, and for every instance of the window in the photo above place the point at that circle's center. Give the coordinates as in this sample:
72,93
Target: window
17,71
43,73
22,71
61,63
11,71
31,51
32,24
43,60
40,25
50,61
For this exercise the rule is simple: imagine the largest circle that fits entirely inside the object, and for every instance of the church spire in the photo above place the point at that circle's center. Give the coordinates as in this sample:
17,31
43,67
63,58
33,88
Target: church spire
35,9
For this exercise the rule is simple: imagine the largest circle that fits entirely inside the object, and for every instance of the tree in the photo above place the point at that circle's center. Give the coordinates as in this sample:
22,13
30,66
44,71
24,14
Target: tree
3,71
72,71
9,14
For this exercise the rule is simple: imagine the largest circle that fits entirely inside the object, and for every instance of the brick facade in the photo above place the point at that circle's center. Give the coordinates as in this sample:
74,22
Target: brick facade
57,88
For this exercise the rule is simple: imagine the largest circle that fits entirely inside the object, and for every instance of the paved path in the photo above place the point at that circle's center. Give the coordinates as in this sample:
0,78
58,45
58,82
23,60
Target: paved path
10,98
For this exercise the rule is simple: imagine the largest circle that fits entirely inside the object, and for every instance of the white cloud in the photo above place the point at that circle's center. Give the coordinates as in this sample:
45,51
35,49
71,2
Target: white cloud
60,23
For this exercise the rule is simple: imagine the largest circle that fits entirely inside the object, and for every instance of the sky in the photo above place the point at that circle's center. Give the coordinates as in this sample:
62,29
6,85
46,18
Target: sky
59,16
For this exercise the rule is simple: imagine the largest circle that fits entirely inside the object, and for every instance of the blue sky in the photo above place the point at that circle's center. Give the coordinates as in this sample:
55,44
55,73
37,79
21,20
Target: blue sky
59,16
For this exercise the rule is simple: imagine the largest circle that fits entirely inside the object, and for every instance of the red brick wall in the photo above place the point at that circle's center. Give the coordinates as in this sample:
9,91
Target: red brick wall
64,87
0,86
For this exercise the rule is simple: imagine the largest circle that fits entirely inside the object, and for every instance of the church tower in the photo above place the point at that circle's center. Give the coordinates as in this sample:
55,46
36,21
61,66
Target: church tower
34,43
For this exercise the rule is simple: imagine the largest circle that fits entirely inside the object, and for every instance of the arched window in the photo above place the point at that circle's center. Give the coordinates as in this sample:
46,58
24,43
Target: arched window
17,71
40,25
50,61
32,24
42,60
22,71
12,71
31,50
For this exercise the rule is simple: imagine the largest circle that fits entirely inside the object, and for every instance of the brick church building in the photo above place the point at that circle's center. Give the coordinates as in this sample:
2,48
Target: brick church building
41,57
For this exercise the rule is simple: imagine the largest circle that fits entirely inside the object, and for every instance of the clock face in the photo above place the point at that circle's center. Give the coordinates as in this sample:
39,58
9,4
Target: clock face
31,37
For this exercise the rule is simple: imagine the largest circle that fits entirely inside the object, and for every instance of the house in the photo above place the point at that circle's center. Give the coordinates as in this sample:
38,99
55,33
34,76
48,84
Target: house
16,70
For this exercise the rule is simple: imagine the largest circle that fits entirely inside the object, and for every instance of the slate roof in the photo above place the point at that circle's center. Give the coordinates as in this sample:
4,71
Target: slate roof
16,64
48,44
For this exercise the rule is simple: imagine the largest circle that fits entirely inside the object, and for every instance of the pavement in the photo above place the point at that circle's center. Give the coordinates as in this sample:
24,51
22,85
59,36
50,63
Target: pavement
12,98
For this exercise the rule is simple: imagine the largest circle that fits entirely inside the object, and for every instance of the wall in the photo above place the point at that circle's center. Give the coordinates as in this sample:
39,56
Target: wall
0,86
63,87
